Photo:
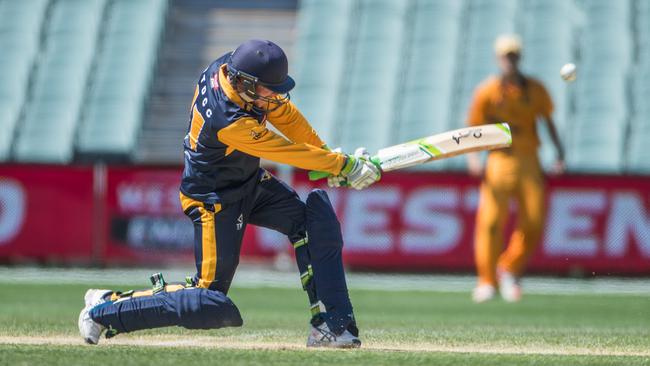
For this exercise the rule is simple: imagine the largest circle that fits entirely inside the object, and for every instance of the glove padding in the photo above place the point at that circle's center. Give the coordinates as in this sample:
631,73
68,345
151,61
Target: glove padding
359,171
341,181
336,181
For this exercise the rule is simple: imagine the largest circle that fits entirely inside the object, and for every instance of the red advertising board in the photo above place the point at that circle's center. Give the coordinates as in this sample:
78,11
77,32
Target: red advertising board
425,221
144,220
411,221
46,213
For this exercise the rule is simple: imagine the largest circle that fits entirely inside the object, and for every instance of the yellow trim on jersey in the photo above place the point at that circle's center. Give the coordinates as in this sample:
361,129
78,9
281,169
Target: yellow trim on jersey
208,248
174,288
208,239
195,127
196,94
230,92
142,293
187,202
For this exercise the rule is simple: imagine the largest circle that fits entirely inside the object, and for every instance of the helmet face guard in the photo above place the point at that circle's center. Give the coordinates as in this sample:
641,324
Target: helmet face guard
249,94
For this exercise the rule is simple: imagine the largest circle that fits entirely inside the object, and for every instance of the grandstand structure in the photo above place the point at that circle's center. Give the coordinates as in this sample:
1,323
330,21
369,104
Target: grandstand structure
75,76
407,69
88,80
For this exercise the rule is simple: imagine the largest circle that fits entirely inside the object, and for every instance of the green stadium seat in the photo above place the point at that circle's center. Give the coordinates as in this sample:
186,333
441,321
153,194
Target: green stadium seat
122,76
9,112
20,28
639,154
59,82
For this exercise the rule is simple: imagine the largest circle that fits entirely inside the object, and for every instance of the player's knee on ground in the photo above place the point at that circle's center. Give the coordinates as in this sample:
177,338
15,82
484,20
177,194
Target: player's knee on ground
206,309
322,225
192,308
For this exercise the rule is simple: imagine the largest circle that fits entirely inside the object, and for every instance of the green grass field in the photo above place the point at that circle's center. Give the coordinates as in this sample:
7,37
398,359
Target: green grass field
38,326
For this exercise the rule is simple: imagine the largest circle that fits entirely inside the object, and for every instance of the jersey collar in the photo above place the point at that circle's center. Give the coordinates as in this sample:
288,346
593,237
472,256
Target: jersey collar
230,92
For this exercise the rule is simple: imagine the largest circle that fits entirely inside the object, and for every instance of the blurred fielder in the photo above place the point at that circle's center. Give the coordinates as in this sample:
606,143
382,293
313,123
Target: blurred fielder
510,173
223,189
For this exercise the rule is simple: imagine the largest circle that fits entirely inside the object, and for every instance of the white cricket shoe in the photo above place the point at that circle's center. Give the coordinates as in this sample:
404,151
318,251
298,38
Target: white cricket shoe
483,293
509,287
321,336
89,329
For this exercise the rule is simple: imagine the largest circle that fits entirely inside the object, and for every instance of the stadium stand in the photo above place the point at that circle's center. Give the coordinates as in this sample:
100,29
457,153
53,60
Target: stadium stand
639,154
57,91
75,60
320,49
120,83
446,50
600,122
430,68
198,31
403,69
20,33
373,72
548,29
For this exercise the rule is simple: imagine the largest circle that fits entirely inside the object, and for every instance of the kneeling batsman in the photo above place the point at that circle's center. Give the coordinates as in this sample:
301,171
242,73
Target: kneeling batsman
223,189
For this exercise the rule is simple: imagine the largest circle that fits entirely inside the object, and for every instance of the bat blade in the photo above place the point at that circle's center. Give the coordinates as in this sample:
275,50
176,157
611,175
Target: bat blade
439,146
444,145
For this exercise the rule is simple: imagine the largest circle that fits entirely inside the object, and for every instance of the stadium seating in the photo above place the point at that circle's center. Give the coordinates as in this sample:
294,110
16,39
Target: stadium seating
75,74
20,28
548,31
320,61
373,75
122,76
430,68
57,93
639,154
598,133
444,50
74,60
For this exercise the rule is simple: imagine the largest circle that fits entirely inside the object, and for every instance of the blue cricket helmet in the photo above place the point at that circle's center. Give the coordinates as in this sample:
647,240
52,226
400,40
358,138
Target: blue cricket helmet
265,61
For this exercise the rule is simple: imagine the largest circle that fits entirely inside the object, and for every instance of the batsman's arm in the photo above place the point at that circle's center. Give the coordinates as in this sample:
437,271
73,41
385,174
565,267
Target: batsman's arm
246,135
293,124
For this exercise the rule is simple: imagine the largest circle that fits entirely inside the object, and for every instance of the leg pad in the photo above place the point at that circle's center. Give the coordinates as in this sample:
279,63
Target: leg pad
192,308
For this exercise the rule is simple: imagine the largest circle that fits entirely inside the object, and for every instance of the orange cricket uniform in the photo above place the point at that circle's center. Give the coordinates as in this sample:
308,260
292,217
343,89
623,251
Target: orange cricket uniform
510,173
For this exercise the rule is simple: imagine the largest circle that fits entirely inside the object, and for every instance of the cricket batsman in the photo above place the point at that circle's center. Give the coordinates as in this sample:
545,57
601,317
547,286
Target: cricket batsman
223,189
510,173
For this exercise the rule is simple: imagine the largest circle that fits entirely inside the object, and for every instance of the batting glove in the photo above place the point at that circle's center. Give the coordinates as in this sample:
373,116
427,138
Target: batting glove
360,172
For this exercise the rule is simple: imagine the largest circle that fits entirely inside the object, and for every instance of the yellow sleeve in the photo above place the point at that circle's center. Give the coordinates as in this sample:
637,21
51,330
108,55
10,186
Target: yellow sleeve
250,137
293,124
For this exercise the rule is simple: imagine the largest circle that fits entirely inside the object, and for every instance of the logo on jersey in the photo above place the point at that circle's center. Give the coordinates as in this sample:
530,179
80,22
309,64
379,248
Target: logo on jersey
240,221
258,132
266,176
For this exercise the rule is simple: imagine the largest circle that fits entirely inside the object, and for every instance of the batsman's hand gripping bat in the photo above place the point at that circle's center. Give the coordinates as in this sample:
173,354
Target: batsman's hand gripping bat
440,146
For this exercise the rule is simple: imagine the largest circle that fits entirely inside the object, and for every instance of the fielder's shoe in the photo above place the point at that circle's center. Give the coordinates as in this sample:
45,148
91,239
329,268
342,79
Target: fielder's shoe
321,336
509,287
483,293
89,329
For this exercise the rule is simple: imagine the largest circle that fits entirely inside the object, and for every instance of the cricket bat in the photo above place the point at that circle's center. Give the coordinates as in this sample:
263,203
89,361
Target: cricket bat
440,146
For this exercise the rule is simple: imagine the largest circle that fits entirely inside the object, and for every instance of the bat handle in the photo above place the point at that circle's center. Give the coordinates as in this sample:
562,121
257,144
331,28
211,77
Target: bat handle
316,175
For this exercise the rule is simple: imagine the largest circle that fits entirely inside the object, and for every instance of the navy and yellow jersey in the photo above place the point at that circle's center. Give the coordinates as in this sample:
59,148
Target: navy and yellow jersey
225,141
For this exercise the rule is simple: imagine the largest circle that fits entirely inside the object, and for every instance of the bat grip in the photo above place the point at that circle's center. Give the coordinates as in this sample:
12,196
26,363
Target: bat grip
316,175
